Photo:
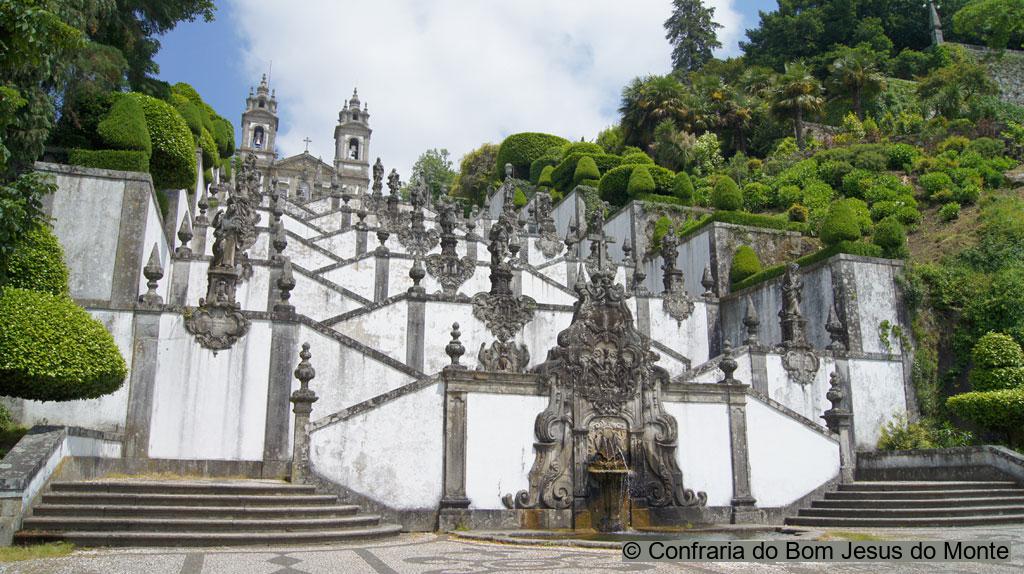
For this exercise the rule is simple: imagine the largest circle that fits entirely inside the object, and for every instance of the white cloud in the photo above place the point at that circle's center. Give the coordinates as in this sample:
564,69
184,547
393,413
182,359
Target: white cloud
455,74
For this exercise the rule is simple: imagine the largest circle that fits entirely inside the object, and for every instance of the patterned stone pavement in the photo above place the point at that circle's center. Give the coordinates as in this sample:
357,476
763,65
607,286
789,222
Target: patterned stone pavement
439,554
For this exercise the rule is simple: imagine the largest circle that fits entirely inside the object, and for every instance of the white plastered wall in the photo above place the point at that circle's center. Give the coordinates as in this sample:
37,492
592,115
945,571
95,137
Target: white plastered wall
499,445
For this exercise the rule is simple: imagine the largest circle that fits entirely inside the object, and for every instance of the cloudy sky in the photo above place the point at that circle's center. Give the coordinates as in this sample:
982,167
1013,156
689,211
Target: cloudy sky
445,73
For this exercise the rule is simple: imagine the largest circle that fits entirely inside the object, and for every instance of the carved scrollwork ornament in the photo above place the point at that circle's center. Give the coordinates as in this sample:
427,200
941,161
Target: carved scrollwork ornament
679,305
549,244
505,357
217,325
503,314
801,364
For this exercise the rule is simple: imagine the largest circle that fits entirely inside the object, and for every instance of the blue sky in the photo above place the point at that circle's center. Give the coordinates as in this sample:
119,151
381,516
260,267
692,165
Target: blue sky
415,59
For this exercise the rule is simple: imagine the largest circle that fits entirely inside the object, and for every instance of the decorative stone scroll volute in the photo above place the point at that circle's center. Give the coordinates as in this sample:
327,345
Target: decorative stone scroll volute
604,397
503,312
218,321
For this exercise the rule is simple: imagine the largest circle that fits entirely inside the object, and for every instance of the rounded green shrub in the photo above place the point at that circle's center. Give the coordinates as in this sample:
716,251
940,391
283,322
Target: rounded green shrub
640,182
857,182
224,134
586,168
949,211
537,167
173,161
584,147
788,195
637,159
900,155
999,410
522,149
840,224
817,195
998,363
209,147
519,199
891,236
726,195
682,187
935,182
37,263
832,172
987,147
124,127
797,213
192,113
966,195
757,196
614,183
53,350
544,180
744,264
954,143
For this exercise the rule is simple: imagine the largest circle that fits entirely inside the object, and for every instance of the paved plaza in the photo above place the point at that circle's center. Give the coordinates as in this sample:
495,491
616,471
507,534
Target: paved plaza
442,554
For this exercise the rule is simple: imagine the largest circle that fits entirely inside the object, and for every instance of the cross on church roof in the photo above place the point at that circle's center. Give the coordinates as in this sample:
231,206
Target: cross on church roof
307,140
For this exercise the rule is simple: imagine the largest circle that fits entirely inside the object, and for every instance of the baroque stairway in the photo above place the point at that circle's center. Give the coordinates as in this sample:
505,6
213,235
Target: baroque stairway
194,513
916,504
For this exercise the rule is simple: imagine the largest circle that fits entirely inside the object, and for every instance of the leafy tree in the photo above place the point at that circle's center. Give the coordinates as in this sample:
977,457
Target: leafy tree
475,170
435,168
855,75
797,95
692,31
611,140
648,101
949,90
673,148
999,23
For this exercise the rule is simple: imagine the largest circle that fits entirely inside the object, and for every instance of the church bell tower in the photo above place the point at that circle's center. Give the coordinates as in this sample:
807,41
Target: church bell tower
259,124
352,145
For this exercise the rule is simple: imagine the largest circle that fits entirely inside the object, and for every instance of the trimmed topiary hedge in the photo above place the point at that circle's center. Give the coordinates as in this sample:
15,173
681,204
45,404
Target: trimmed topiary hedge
891,236
726,195
173,161
53,350
998,363
637,159
544,180
841,224
999,410
124,127
586,169
658,198
37,263
563,176
640,182
538,167
745,263
614,184
209,147
742,218
848,247
119,159
522,149
682,187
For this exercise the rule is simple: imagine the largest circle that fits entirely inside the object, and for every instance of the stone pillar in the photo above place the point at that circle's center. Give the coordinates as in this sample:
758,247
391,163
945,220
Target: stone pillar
142,380
454,504
839,420
643,314
284,336
414,332
744,510
302,400
382,268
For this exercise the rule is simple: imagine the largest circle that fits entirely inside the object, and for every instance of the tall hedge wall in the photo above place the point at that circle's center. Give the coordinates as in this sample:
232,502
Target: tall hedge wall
124,127
173,161
521,150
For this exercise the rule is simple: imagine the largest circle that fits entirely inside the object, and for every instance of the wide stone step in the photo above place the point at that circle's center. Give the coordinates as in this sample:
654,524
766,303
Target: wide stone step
220,525
258,487
919,494
873,486
920,503
932,522
898,512
191,538
117,510
147,499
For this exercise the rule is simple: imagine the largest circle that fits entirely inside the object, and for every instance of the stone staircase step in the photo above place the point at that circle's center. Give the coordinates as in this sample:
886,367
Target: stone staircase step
218,525
916,494
147,511
919,503
187,538
182,487
873,486
141,499
900,512
936,522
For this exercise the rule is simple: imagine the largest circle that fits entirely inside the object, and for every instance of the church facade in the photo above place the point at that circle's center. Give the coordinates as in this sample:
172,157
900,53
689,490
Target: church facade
304,177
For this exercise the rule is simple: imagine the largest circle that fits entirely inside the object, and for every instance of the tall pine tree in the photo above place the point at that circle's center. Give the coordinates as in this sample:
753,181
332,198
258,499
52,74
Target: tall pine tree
692,31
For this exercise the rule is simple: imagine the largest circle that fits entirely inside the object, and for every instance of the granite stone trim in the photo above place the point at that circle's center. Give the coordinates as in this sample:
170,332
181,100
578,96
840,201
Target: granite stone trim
971,462
284,340
414,333
472,381
350,342
372,403
142,381
26,458
128,260
669,352
66,169
823,431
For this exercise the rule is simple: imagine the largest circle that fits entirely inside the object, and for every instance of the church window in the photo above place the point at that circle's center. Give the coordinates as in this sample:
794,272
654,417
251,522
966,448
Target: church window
263,104
353,148
303,190
257,137
355,116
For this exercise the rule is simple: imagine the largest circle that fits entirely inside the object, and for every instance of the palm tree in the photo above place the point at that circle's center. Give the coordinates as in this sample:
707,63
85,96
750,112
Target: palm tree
854,75
648,101
797,94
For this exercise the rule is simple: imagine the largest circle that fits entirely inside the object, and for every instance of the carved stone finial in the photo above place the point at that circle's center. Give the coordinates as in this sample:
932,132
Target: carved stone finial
285,284
728,365
838,415
361,224
707,281
203,204
836,330
835,394
185,236
279,242
382,237
454,348
751,322
416,273
153,272
304,397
